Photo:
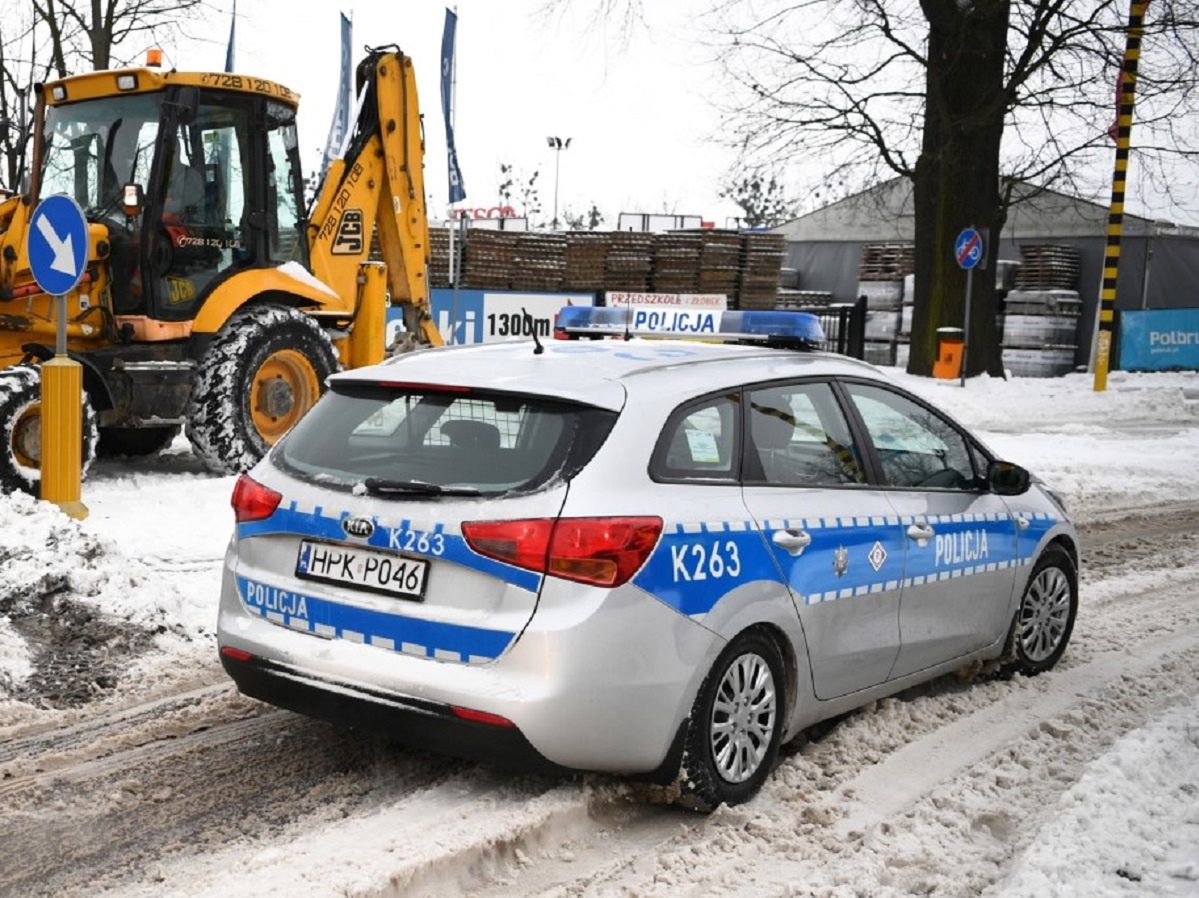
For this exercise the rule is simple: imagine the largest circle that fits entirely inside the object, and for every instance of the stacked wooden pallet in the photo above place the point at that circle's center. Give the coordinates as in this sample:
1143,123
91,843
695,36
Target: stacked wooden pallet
584,258
790,298
629,261
540,262
439,256
1048,266
887,261
676,263
720,262
761,263
489,260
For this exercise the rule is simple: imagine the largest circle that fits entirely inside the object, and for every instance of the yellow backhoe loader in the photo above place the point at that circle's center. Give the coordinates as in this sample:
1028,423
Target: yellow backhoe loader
211,300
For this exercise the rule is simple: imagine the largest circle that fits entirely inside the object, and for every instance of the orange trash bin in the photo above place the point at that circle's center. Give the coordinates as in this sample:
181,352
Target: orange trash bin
950,342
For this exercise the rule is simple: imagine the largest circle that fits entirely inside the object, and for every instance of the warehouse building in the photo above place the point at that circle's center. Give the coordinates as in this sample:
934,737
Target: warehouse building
1159,263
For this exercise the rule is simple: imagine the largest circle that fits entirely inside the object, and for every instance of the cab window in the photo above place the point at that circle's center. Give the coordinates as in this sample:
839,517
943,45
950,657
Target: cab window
916,446
800,438
699,441
203,229
282,180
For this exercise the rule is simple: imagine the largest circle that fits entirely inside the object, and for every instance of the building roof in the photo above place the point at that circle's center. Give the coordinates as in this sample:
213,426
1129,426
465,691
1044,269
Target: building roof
886,212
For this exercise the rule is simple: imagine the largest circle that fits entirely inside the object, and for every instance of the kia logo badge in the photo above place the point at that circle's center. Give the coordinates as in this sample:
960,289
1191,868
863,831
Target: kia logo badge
359,527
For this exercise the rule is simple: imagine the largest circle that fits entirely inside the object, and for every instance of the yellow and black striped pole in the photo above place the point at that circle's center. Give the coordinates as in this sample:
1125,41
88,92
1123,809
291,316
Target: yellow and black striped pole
1115,221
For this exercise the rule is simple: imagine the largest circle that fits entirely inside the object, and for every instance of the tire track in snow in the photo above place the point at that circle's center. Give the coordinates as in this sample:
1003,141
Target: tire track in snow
262,777
969,722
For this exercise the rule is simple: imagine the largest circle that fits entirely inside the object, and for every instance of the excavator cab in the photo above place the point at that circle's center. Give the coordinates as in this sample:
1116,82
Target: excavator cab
211,301
220,174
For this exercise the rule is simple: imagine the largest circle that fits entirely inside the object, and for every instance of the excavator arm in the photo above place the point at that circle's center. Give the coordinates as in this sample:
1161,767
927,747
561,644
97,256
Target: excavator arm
378,188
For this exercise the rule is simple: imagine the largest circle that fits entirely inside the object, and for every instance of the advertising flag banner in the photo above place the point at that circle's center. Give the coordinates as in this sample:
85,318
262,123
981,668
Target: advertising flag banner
457,187
229,49
341,112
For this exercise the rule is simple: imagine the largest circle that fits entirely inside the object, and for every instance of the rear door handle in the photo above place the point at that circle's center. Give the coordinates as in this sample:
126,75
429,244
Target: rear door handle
794,541
922,533
1022,521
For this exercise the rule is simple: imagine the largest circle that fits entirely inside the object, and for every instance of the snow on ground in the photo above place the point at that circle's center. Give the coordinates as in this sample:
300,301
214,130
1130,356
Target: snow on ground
148,559
1129,826
1131,445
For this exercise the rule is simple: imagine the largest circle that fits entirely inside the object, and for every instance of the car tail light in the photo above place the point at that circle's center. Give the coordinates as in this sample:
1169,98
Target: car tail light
599,551
252,501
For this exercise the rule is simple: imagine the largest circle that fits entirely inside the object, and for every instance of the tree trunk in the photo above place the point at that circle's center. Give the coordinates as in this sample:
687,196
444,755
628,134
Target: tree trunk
957,176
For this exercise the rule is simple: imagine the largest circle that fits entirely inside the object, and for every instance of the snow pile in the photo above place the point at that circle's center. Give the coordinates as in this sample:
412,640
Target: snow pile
52,571
15,660
1129,826
1129,446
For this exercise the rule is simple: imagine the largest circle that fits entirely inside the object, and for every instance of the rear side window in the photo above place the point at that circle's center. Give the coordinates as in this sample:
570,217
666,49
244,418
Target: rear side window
457,441
699,441
799,438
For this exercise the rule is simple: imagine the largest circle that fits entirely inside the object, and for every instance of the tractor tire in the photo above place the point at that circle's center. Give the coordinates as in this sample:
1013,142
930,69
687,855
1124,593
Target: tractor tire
21,429
262,372
134,441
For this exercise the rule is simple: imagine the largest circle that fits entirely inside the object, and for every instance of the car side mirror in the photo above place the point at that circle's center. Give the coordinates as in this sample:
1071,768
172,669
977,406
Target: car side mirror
1007,479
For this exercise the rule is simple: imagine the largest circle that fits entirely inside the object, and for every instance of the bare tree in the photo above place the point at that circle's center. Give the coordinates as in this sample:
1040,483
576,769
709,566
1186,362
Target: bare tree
589,220
952,94
519,191
92,32
45,39
762,198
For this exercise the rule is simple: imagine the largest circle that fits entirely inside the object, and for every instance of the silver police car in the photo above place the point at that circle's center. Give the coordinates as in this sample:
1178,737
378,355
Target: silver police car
652,557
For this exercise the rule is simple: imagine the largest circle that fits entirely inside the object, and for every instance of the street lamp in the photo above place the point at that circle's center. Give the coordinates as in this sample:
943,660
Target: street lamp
557,144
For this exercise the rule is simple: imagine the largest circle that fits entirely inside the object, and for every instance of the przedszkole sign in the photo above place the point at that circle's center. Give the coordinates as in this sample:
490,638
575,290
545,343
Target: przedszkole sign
1159,340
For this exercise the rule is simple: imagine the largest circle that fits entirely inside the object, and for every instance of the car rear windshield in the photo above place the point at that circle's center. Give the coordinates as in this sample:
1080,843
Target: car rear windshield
413,440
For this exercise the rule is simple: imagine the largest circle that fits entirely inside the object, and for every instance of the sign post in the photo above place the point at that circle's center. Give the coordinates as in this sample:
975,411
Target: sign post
57,248
1105,315
970,250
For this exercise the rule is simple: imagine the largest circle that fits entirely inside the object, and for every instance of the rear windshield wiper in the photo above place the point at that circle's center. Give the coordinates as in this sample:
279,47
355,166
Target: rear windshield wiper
381,486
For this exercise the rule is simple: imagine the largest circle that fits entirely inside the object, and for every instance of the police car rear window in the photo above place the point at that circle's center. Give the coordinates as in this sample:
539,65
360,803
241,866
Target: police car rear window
457,441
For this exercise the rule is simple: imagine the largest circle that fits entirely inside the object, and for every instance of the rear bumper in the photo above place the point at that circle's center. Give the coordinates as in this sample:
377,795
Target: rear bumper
415,722
599,680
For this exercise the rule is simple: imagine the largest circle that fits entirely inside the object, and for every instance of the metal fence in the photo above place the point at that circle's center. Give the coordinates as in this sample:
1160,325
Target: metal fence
844,327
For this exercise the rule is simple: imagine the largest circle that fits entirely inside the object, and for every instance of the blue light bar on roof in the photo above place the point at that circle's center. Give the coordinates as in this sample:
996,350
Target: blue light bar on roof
800,328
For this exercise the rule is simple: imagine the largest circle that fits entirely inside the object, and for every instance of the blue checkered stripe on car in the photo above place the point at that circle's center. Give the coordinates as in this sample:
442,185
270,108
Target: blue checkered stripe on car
697,563
384,629
395,632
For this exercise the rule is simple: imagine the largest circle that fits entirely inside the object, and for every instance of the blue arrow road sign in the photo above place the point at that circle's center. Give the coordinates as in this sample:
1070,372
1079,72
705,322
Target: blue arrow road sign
968,248
57,244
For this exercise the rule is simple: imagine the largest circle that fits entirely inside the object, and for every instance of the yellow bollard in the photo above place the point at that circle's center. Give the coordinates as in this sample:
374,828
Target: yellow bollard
62,434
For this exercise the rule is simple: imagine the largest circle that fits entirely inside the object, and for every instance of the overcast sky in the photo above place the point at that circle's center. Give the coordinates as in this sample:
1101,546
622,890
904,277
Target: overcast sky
643,133
642,113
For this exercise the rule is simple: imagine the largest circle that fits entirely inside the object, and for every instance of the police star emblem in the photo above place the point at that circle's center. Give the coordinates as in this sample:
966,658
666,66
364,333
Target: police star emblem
840,561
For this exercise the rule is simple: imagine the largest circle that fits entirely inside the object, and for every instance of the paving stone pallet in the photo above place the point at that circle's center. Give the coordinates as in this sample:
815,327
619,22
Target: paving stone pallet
887,261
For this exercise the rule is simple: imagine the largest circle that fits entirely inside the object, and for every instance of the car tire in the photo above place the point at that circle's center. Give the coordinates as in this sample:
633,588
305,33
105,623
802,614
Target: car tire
730,747
265,368
1045,618
20,427
134,441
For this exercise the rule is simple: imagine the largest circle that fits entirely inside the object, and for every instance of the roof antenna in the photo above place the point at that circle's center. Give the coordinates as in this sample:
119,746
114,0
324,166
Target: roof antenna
531,327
